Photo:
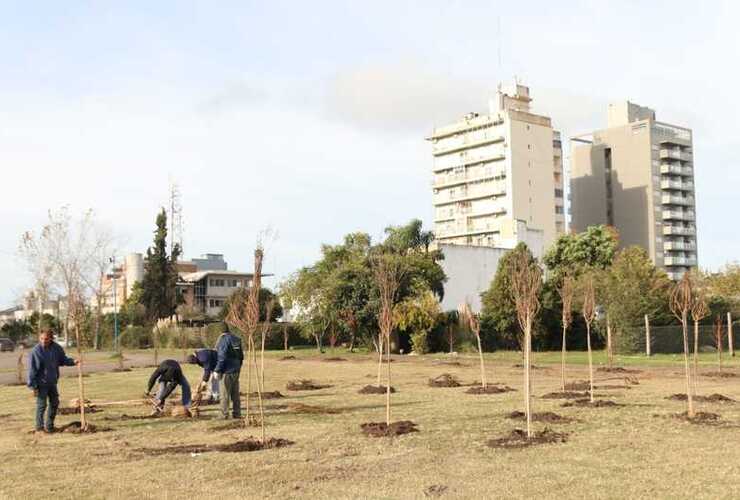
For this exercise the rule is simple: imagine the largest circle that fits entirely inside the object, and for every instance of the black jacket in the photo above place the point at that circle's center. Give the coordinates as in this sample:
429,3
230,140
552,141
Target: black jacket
169,372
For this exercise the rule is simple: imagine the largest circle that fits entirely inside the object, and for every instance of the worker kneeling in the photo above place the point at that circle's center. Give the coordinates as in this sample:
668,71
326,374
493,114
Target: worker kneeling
169,374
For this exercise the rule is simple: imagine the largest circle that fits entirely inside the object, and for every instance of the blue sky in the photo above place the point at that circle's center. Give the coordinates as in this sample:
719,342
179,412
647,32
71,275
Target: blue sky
310,116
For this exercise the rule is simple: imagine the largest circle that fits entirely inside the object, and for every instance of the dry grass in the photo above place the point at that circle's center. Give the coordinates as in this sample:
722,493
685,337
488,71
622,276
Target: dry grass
611,452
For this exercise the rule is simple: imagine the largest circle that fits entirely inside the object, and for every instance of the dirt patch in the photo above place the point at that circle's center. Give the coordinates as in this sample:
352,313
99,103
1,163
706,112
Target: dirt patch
533,367
381,429
125,417
333,360
616,369
265,395
700,417
543,416
249,444
311,409
721,374
580,385
286,358
450,363
565,395
518,439
444,380
76,410
304,385
121,370
435,490
586,403
5,415
712,398
489,389
76,428
375,389
229,426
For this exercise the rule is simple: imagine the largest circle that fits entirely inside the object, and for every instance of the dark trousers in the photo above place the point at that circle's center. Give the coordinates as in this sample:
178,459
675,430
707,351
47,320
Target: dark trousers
230,394
51,393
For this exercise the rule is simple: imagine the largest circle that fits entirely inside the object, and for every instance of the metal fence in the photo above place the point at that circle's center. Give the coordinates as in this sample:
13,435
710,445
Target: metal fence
669,339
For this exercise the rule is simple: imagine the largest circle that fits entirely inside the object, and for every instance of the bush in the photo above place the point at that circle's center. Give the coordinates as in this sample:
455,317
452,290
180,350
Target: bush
419,342
135,337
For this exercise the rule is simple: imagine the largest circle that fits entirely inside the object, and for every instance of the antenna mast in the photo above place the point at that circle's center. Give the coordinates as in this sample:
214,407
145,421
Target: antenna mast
175,215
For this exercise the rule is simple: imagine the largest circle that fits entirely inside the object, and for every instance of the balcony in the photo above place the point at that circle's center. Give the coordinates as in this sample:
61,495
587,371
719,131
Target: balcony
677,185
678,215
667,168
462,178
464,195
674,154
679,246
463,161
679,230
467,141
679,261
668,199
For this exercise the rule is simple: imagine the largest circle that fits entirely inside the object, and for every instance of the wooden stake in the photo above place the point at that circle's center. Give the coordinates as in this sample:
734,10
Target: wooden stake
647,336
20,366
83,419
731,347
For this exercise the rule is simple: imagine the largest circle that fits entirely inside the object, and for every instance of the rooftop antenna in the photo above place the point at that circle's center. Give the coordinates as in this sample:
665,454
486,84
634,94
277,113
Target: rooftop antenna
499,48
175,216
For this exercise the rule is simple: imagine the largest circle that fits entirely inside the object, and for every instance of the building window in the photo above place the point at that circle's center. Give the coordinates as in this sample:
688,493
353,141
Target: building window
558,209
558,193
217,282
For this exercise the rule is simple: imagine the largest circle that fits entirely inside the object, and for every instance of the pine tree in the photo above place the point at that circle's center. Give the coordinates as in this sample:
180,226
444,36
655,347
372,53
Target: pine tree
158,287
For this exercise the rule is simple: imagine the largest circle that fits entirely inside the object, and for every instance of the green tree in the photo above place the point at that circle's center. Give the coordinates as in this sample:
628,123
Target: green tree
628,290
418,315
17,330
499,327
593,248
265,296
158,287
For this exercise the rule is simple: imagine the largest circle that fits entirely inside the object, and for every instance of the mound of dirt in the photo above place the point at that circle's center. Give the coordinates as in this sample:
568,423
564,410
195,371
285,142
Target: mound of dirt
721,374
712,398
700,417
533,367
375,389
304,385
444,380
449,363
265,395
381,429
286,358
249,444
616,369
586,403
76,410
565,395
580,385
334,359
120,370
518,439
76,428
5,415
304,408
543,416
490,389
124,417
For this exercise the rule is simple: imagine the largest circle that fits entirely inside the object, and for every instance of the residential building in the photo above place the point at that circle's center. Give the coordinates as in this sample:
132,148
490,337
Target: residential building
498,176
207,291
637,175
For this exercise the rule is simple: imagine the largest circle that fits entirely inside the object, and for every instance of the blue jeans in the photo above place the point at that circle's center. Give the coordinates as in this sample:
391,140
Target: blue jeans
186,396
51,393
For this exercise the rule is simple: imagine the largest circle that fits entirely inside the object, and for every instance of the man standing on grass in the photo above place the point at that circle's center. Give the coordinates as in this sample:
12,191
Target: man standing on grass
206,359
43,373
228,366
169,374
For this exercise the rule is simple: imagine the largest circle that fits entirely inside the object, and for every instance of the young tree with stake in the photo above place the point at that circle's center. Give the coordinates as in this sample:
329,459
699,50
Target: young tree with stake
526,283
682,300
566,296
589,314
472,321
699,310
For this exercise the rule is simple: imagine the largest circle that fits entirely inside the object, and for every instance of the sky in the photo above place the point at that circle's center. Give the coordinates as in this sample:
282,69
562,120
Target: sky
310,117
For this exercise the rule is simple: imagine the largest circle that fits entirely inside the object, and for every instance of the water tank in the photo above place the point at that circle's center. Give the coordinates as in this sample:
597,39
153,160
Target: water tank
134,270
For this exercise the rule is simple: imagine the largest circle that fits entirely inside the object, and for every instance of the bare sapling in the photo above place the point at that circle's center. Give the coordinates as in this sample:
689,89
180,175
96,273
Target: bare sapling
285,336
77,313
244,314
699,310
20,367
380,345
718,340
609,348
526,282
472,321
566,297
388,274
589,314
682,299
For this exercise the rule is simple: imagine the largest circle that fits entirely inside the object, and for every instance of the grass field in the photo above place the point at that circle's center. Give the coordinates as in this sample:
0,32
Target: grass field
633,451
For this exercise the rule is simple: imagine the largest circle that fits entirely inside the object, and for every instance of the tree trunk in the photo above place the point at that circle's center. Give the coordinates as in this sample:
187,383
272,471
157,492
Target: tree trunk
590,362
730,343
482,365
80,382
647,336
262,362
689,396
609,351
249,382
380,356
259,387
388,388
562,360
527,367
451,339
285,337
352,341
20,367
696,354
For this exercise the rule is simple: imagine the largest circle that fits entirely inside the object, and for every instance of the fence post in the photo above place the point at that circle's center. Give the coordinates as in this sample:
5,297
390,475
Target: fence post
729,335
647,336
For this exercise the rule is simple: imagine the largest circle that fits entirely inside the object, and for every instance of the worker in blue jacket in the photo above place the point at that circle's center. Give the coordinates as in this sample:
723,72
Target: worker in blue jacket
43,374
206,359
230,356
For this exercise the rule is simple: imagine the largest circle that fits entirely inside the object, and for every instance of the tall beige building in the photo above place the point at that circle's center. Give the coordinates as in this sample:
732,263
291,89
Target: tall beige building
498,178
638,176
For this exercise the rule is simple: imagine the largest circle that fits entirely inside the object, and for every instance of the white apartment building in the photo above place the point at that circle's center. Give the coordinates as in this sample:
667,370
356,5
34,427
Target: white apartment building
498,178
